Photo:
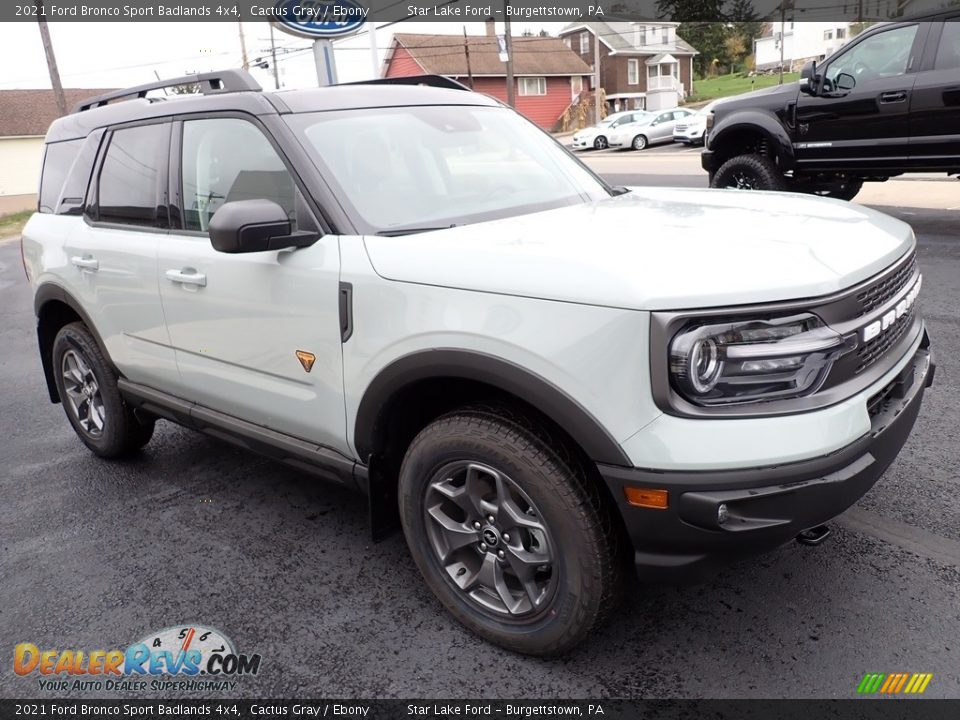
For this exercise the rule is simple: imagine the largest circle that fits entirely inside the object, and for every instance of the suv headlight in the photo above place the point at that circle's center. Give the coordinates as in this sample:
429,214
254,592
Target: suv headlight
754,360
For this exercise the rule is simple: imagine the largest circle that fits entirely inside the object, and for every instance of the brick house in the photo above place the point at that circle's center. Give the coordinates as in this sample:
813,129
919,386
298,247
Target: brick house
25,116
548,75
643,65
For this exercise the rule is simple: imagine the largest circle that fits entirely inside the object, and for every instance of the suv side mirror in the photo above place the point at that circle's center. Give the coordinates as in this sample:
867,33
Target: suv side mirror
254,226
808,78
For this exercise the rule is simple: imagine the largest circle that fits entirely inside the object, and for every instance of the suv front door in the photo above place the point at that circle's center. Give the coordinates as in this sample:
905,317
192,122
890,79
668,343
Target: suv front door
868,125
244,326
935,111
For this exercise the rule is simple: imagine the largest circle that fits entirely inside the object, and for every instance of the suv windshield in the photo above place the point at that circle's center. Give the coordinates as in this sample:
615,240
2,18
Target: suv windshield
441,165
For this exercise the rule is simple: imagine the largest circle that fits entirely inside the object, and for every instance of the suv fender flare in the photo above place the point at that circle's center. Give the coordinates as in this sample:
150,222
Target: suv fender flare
538,392
757,122
51,292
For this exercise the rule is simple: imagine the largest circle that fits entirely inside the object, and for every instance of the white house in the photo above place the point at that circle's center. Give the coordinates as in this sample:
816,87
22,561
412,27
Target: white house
25,116
800,41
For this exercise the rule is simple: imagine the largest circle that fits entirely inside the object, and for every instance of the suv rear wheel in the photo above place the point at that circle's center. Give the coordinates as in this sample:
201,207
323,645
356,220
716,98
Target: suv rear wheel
508,532
748,172
90,398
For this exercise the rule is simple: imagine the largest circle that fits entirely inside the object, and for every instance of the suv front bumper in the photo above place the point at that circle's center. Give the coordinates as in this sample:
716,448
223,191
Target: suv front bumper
765,507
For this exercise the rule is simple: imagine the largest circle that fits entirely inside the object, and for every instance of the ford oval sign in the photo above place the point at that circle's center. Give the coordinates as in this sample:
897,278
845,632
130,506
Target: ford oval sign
319,18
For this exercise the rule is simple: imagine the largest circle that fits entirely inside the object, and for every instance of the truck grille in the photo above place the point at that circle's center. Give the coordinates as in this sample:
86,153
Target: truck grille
878,294
872,351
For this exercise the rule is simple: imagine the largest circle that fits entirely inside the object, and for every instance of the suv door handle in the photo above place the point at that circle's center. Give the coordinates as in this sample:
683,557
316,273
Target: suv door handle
86,262
896,96
187,276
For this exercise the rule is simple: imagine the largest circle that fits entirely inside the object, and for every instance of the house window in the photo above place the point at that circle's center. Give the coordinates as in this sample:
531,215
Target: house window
568,42
841,33
633,71
653,71
576,86
828,34
532,86
665,35
584,43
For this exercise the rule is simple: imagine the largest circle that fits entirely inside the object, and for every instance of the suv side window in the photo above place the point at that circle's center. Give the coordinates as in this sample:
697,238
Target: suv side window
229,159
78,179
884,55
948,54
130,191
56,164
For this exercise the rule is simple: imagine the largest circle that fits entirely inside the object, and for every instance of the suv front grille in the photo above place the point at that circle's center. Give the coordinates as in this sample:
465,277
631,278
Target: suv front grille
878,294
872,351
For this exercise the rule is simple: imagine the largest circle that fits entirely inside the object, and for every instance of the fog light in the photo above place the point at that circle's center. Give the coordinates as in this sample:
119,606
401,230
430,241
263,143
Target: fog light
723,514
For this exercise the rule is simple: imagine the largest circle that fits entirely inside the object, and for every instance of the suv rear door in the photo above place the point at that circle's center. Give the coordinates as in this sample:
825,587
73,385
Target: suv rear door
935,111
867,126
237,321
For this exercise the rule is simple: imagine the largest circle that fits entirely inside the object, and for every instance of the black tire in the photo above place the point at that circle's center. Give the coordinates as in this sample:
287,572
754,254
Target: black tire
584,541
600,143
749,172
639,142
118,432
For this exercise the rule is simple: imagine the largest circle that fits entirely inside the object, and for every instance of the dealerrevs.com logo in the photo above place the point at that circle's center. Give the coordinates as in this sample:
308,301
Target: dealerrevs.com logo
185,657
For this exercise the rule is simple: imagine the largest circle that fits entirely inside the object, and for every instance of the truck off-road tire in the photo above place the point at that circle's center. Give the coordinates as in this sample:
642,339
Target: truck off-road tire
88,391
509,532
600,143
748,172
639,142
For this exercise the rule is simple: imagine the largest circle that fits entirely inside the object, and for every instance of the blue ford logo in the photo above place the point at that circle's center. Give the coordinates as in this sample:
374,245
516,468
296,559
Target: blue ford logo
319,18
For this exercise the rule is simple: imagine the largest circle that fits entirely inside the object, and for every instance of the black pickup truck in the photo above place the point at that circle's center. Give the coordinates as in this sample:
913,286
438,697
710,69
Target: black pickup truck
885,104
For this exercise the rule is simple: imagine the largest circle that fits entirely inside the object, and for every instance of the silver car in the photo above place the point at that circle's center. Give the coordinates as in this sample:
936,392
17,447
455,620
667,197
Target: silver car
652,129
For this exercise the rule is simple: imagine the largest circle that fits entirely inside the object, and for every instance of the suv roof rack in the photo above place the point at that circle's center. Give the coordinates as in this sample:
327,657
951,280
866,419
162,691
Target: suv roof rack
438,81
211,83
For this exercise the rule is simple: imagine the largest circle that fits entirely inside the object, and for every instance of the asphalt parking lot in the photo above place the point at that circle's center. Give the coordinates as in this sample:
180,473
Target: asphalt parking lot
96,555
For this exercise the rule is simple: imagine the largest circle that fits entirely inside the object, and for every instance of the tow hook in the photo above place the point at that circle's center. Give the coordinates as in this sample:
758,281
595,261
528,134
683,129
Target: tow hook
814,535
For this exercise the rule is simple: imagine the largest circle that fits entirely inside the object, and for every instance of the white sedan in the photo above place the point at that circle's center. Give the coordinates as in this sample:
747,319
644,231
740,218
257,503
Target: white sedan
653,128
596,137
692,130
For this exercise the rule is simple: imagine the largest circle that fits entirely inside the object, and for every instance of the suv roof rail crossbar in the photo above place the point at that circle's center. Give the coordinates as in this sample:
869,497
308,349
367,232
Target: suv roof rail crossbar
211,83
438,81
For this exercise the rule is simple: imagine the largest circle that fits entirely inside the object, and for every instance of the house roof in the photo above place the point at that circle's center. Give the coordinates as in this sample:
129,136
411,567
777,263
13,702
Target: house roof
30,112
444,55
620,38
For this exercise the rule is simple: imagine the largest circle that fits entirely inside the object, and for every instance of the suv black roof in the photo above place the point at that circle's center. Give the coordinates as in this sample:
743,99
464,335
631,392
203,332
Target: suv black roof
236,90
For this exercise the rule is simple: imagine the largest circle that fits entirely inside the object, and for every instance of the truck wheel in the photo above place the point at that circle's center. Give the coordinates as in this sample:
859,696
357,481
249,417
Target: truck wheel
508,531
748,172
90,397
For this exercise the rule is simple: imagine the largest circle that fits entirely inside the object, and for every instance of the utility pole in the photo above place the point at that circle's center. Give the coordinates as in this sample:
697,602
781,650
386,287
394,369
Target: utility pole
243,46
511,84
273,60
51,59
783,34
860,12
374,58
596,77
466,51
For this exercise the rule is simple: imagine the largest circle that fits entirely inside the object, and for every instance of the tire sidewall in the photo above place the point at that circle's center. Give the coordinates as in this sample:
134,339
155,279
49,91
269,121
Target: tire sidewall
600,143
428,456
641,141
763,169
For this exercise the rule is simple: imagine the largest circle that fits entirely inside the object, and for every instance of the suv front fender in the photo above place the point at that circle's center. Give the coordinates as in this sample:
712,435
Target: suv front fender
733,134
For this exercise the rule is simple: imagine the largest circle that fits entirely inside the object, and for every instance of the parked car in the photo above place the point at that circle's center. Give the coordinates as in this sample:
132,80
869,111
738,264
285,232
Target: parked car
691,130
887,103
596,137
651,129
416,293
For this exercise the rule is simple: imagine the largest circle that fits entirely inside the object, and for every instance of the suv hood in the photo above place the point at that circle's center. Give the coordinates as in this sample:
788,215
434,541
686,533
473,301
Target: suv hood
657,249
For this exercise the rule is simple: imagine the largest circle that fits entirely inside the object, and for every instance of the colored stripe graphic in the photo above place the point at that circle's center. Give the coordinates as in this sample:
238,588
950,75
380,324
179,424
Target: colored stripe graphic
894,683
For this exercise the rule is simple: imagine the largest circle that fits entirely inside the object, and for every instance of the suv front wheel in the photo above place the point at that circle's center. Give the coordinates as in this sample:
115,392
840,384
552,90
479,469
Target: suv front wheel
748,172
90,397
508,531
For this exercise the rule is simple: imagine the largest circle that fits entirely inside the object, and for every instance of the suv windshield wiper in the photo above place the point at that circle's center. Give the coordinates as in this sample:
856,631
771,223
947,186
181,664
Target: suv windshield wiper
396,232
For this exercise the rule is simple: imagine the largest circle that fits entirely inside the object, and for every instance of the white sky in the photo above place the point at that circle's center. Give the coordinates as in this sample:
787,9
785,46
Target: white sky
115,54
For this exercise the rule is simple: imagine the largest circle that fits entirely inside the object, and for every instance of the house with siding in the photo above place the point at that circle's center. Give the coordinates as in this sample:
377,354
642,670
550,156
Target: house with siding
548,76
25,116
643,65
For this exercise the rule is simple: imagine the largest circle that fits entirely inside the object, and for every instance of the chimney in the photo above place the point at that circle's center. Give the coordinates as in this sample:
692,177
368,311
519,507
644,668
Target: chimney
491,28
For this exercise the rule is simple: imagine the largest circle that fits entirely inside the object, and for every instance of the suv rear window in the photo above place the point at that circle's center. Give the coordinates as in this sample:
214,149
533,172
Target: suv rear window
130,189
75,188
57,161
948,55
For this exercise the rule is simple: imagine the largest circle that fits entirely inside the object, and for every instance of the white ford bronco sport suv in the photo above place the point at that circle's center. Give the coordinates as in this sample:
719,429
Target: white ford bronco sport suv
413,291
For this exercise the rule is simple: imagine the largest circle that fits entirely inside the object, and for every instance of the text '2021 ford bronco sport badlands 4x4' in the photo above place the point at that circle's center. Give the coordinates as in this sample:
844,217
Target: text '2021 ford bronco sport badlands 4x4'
885,104
417,293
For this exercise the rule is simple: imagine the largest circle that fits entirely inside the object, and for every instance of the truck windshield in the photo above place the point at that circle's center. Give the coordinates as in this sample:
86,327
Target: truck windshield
441,165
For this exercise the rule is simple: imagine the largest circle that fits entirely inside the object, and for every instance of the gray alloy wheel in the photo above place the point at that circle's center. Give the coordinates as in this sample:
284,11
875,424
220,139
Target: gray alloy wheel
640,142
490,539
600,143
83,398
